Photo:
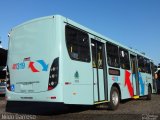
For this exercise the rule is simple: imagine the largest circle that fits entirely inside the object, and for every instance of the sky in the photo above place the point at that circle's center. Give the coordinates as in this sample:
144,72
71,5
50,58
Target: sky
134,23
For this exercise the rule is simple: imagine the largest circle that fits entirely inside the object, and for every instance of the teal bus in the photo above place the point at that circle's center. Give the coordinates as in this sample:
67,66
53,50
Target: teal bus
56,60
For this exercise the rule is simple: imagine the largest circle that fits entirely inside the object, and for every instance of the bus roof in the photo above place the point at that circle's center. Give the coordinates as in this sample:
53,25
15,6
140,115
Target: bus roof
77,25
104,37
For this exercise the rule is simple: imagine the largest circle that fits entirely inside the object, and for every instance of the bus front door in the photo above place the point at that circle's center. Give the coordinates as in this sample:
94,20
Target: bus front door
135,78
99,71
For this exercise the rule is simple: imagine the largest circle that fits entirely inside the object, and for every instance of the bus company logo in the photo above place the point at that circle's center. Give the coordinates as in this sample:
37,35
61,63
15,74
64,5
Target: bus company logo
76,75
31,65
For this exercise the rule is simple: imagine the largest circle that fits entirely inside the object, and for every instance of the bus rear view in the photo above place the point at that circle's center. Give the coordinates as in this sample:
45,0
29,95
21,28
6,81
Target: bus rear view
56,60
40,68
33,62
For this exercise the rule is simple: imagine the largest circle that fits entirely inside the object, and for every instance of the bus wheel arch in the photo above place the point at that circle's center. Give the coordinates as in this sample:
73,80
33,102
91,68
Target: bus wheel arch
115,97
118,87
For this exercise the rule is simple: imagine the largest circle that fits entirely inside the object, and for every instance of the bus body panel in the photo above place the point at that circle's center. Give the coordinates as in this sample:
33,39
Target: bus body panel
77,77
145,80
121,82
32,49
148,82
127,90
46,96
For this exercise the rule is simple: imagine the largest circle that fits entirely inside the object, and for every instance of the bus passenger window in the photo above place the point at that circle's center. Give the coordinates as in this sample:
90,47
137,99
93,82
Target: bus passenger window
100,62
141,67
124,59
147,66
112,55
94,63
97,54
77,44
133,67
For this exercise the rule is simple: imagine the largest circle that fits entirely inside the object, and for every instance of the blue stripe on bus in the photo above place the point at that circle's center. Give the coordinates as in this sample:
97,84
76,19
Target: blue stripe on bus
141,83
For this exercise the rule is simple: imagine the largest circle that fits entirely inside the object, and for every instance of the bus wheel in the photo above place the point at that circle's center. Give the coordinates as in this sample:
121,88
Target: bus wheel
149,93
114,99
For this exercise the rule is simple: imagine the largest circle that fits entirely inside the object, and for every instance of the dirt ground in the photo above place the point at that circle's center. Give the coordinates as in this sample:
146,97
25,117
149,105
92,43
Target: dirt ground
139,109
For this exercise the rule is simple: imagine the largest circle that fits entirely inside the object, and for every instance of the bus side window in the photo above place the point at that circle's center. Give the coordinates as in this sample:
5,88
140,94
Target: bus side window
109,60
141,64
94,64
112,55
73,54
133,68
124,59
147,66
77,44
100,63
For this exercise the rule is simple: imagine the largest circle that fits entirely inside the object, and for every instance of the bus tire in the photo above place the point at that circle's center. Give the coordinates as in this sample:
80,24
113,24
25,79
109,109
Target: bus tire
149,93
114,99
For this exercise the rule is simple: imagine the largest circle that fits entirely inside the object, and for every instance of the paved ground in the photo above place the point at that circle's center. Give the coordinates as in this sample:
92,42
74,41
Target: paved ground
128,110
